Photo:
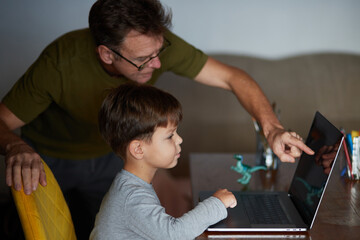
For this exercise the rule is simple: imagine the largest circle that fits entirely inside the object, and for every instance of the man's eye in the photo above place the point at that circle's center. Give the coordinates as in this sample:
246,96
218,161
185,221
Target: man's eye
141,59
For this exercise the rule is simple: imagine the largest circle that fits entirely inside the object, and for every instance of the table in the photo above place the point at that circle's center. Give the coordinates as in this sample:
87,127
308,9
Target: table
338,216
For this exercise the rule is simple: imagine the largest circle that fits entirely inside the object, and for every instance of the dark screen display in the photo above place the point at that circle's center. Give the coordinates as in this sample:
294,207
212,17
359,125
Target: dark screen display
312,172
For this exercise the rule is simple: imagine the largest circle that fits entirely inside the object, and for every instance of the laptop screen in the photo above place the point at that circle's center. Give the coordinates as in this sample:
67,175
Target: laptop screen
312,172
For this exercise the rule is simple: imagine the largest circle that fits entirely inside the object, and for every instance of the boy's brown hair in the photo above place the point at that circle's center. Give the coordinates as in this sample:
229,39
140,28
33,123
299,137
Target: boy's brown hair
133,111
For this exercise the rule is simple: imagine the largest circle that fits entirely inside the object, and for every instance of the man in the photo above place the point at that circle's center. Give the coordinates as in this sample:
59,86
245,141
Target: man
56,101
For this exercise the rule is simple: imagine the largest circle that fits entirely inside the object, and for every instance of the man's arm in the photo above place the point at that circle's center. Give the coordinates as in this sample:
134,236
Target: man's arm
287,146
22,162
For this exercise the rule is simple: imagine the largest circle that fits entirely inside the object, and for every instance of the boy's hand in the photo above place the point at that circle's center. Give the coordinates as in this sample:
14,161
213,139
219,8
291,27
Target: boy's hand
226,197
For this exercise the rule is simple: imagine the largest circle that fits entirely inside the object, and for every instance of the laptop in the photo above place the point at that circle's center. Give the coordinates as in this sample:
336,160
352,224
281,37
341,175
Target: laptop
295,210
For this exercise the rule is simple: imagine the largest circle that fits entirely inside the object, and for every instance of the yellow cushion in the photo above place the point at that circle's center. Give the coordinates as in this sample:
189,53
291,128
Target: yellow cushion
44,214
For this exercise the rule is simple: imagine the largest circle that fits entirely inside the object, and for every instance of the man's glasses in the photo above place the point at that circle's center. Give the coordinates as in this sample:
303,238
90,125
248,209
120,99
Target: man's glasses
166,44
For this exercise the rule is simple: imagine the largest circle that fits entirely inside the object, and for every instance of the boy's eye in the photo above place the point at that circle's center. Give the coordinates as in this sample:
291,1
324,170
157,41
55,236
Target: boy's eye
170,136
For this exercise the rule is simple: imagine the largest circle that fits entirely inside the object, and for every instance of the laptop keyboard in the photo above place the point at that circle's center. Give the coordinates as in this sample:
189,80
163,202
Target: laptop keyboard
264,209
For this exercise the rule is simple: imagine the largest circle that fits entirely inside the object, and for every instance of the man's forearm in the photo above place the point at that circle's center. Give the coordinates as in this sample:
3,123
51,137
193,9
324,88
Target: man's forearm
8,138
287,146
248,92
254,101
8,123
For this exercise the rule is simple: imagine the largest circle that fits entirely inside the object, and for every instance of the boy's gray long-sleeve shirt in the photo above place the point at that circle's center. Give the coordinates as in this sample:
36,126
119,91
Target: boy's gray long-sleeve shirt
132,210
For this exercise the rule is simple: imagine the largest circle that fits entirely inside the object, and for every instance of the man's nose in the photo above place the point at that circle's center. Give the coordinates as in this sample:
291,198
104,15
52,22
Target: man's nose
155,63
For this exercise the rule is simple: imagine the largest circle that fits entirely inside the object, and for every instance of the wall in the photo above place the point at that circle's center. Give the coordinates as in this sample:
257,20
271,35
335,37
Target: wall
263,28
270,29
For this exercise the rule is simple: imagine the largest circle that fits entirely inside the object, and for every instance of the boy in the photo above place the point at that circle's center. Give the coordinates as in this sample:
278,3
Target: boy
140,123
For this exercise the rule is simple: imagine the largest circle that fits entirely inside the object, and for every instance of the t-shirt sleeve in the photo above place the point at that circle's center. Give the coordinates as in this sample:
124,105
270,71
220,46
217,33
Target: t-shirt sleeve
148,218
37,88
183,58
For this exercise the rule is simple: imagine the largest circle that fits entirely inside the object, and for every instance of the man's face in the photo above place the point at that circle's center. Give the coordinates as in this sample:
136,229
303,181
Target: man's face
138,49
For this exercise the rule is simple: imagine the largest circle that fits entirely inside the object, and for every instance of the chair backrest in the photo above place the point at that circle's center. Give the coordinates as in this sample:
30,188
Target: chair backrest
44,214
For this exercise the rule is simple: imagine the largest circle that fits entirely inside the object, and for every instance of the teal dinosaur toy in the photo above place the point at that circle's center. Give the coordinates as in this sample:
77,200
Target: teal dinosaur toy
244,169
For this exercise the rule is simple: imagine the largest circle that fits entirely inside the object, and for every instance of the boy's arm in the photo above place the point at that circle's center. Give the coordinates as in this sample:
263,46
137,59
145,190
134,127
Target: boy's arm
148,218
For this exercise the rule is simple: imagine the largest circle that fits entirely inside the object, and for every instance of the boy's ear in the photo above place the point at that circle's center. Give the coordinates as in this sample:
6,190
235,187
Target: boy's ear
105,54
135,149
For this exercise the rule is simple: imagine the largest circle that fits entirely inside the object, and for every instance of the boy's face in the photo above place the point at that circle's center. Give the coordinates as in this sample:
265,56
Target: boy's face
164,149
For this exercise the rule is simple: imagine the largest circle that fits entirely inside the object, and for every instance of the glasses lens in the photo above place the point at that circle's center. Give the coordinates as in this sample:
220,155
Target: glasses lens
166,44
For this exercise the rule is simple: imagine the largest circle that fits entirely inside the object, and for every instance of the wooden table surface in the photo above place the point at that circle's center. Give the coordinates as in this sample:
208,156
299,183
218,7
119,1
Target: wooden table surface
338,216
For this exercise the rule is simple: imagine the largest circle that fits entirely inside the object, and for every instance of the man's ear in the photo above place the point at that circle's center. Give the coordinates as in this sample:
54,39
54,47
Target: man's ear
105,54
135,149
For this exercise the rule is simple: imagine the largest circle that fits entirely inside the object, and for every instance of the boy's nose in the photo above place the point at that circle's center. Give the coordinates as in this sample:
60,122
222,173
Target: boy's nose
180,140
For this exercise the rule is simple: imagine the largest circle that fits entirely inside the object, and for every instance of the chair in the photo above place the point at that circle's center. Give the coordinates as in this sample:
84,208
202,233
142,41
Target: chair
44,214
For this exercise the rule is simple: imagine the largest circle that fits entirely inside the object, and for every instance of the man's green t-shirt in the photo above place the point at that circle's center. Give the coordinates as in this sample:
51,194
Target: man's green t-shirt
61,93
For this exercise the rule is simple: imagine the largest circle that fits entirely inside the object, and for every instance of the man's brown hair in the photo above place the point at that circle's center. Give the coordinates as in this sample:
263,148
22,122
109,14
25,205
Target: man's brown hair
111,20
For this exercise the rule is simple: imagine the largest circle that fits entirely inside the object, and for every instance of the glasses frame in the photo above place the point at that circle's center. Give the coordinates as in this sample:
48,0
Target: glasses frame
142,66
